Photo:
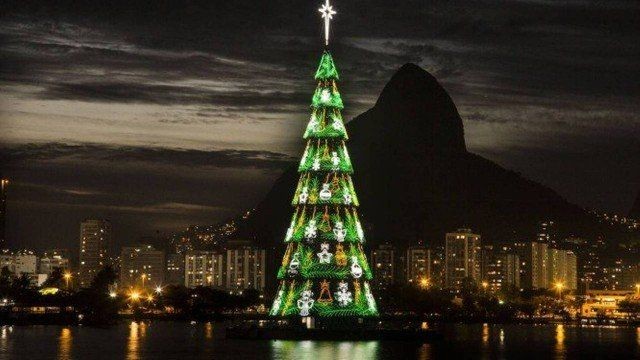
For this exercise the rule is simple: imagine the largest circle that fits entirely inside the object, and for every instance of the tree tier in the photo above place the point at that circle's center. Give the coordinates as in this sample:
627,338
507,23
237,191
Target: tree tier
324,260
315,188
325,123
328,223
325,298
324,155
327,96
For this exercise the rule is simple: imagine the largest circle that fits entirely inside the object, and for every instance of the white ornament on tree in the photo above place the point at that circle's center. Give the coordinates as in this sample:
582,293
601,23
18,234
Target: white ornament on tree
289,233
305,303
277,302
316,164
313,122
294,265
371,302
359,231
339,231
337,124
325,96
325,193
335,160
324,256
356,269
304,195
311,230
346,196
343,295
304,156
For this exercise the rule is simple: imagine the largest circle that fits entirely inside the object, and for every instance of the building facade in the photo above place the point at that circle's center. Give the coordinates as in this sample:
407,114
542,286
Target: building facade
562,269
141,266
204,268
418,266
500,269
95,235
18,263
383,262
51,262
462,258
174,270
539,265
245,268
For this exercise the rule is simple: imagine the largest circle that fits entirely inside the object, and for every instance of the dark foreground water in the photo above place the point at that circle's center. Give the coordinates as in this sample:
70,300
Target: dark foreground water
175,340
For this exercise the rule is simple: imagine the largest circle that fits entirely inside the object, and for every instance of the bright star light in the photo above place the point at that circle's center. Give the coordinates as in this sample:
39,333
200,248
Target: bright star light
327,14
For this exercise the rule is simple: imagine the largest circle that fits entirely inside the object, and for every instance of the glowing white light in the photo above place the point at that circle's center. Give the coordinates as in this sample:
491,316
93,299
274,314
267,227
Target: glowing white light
305,303
324,256
327,14
343,295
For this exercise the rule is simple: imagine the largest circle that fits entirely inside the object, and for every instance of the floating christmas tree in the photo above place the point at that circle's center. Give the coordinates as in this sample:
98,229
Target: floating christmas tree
324,270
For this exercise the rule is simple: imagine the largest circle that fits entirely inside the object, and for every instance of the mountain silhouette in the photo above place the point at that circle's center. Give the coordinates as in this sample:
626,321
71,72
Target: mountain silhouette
416,179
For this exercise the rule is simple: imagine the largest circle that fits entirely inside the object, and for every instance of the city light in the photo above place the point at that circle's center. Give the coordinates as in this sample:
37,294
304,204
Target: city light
559,287
67,278
158,289
134,295
485,285
113,294
424,282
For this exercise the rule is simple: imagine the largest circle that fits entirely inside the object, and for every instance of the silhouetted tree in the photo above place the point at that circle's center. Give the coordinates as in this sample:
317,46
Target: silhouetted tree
55,279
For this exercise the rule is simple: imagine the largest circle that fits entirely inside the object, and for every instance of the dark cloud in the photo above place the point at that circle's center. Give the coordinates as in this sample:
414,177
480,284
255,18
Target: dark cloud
226,158
547,88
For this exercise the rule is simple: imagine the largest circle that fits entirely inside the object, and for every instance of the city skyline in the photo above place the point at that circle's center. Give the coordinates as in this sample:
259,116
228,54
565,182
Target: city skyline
114,136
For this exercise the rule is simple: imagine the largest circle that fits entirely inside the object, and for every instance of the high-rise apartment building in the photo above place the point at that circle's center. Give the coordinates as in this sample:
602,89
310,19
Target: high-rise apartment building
241,266
539,265
49,262
383,262
571,275
418,266
245,267
95,235
500,268
204,268
141,266
562,269
547,232
21,262
462,258
174,274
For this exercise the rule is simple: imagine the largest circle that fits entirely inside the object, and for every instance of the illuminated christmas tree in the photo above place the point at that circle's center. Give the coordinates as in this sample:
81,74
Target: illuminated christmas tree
324,270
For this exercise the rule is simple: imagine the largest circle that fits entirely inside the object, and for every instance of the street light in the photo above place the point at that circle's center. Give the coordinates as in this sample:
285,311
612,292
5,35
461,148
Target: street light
158,289
485,285
638,289
113,294
144,277
134,295
67,277
424,282
559,286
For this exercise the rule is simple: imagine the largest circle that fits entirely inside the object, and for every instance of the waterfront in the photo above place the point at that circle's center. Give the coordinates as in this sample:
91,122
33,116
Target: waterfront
178,340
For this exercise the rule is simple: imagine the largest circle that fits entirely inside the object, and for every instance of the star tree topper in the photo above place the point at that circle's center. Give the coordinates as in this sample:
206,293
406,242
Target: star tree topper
327,14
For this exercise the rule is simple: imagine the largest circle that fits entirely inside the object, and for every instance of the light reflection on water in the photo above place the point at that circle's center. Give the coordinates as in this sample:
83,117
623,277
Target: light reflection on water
321,350
64,344
137,331
560,341
153,340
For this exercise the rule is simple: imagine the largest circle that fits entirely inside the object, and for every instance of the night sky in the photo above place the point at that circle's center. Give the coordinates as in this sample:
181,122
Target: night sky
168,113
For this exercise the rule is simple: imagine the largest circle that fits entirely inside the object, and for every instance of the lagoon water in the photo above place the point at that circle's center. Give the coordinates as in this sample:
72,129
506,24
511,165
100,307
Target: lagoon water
176,340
